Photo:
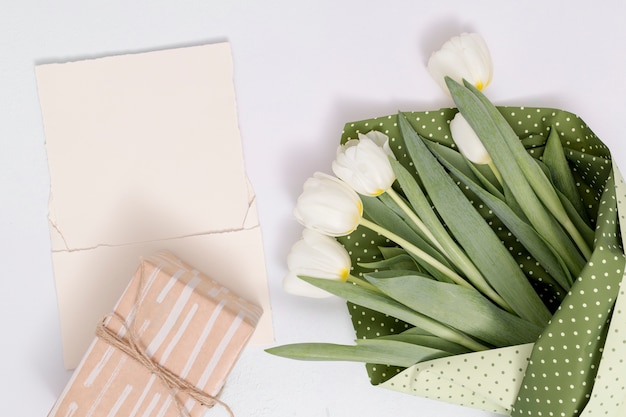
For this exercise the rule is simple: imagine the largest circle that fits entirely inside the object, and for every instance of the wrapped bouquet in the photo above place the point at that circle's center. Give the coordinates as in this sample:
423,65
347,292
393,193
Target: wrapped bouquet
479,251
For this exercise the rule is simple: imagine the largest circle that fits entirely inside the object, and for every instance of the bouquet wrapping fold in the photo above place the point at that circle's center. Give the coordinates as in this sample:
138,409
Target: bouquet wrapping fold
576,366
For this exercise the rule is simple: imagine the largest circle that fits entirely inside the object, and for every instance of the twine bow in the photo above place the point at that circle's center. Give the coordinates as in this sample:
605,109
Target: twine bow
130,345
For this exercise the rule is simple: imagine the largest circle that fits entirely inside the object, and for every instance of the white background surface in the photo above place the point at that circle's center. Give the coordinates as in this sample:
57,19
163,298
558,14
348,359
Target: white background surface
302,69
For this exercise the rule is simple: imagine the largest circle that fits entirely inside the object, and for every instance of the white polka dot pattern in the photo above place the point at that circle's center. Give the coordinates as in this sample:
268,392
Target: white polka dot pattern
559,379
608,397
564,362
485,380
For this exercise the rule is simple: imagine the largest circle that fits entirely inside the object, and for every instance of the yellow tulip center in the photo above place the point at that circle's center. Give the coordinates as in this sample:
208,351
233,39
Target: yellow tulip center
343,274
358,216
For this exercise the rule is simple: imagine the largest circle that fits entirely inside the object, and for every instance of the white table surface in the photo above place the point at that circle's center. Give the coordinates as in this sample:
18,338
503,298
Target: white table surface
302,69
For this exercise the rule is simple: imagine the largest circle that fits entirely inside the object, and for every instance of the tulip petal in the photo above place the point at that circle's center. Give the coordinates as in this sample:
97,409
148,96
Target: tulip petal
446,63
315,255
295,286
463,57
364,164
328,205
467,141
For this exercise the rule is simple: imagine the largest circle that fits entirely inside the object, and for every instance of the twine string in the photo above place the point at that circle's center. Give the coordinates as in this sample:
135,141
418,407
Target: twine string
130,345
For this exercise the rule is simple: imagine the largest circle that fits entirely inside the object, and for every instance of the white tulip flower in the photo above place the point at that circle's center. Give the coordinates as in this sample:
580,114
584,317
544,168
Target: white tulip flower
463,57
329,206
364,164
467,141
319,256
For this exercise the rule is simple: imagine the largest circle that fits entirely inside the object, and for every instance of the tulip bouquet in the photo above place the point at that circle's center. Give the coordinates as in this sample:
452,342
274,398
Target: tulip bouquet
479,251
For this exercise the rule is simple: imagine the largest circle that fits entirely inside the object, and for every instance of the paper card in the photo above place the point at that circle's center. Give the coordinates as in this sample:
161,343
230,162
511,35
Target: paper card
145,154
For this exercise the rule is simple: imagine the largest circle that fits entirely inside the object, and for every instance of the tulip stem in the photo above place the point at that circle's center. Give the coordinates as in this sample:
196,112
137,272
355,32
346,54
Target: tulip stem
495,171
361,283
416,220
416,251
579,240
456,278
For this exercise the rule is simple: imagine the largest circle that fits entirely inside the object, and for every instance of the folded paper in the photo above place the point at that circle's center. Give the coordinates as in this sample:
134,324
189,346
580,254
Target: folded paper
608,396
145,154
178,325
485,380
576,367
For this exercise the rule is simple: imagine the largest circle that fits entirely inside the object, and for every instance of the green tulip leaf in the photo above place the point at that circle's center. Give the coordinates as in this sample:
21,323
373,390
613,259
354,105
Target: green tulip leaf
556,165
560,171
477,173
530,187
478,240
380,214
417,337
526,234
423,208
391,251
379,351
461,308
396,263
379,302
587,156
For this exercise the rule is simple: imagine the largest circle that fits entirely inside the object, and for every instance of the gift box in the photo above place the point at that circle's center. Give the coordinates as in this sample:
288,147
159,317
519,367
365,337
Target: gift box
166,349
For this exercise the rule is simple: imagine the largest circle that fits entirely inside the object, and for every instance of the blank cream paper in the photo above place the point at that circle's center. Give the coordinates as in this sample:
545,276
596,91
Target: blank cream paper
144,153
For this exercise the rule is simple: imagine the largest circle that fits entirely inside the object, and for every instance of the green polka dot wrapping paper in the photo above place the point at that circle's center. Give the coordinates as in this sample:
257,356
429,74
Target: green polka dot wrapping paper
577,366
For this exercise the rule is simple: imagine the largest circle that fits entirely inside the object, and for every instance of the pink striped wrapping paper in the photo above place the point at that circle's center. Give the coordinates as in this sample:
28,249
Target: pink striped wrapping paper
185,321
